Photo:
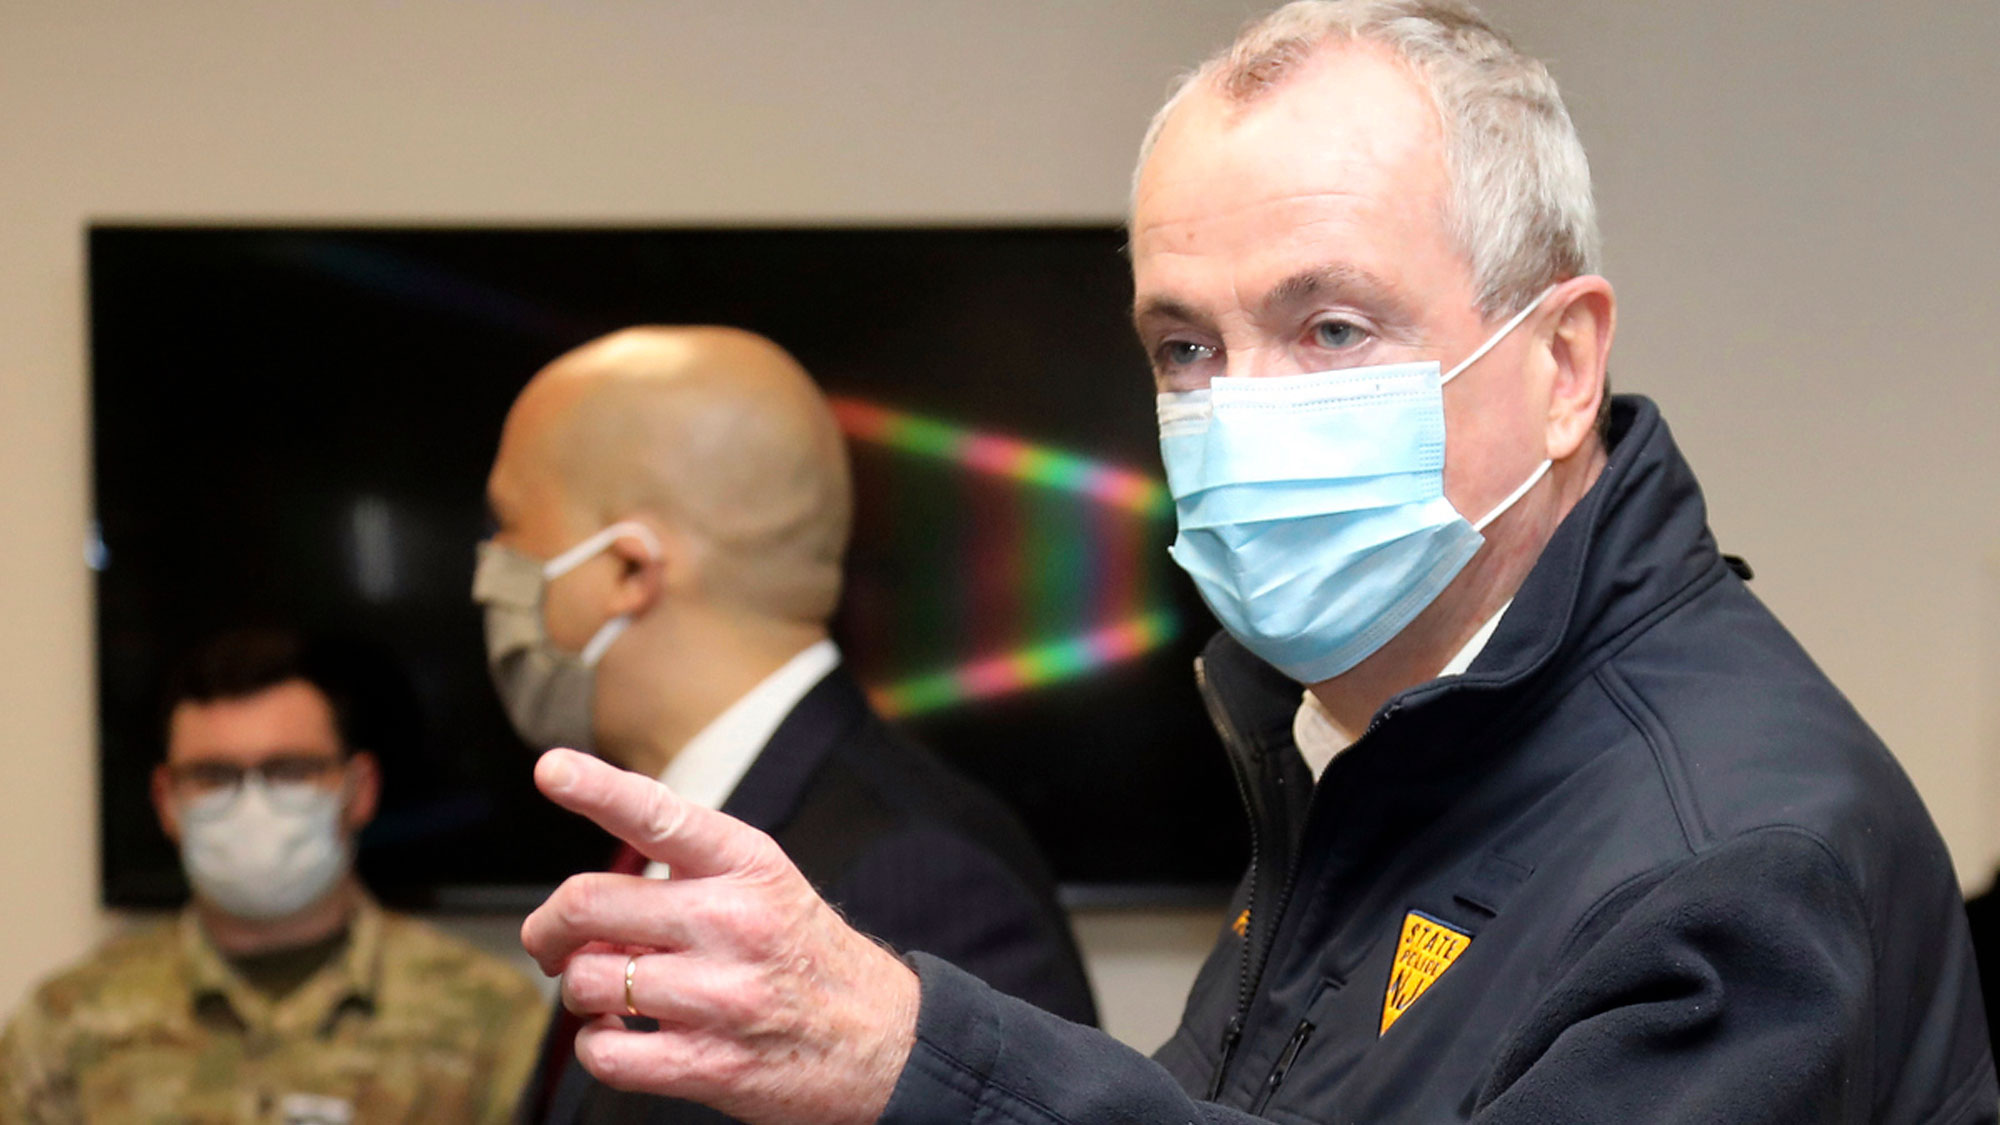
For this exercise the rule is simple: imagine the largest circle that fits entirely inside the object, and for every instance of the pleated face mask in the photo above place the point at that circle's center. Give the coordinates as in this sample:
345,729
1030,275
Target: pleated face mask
264,850
1311,507
548,694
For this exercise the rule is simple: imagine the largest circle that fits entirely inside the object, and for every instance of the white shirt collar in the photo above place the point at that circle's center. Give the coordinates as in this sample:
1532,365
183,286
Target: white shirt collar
707,769
1319,738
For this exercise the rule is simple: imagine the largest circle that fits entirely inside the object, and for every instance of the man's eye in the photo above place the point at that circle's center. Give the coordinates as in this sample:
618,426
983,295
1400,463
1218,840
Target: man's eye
293,771
1336,334
202,777
1184,353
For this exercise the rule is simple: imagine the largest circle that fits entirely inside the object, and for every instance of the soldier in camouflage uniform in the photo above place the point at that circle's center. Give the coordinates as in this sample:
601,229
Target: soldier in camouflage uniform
283,993
402,1024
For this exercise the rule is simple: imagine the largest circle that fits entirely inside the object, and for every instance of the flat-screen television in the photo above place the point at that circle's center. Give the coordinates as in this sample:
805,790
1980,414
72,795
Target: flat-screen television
292,426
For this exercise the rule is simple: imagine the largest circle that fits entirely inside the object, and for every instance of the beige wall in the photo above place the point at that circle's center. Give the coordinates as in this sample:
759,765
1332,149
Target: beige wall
1800,221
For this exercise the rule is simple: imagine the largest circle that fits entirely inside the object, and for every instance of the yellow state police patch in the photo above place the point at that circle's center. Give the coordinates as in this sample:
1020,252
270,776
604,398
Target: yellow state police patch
1426,949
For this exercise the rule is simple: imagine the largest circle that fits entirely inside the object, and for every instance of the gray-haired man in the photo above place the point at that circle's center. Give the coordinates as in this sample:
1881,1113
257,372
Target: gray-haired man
1563,827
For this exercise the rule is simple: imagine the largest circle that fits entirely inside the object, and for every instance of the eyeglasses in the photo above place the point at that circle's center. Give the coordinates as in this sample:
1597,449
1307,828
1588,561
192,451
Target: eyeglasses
219,782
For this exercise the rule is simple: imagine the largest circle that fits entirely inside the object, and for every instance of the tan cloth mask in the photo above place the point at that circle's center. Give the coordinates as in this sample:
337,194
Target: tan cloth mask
545,691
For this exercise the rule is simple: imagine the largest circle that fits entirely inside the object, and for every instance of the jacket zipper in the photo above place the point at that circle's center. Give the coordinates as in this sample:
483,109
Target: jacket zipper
1251,967
1286,1058
1239,767
1231,1035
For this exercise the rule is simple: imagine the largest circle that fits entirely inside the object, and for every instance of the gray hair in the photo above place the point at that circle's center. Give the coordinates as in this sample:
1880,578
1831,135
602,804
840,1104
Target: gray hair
1520,206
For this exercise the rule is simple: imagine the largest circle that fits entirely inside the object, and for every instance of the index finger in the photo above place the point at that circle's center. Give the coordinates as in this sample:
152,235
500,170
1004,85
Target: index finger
692,841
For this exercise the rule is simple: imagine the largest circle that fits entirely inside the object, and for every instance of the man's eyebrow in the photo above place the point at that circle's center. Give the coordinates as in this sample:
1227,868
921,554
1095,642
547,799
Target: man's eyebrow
1154,309
1347,283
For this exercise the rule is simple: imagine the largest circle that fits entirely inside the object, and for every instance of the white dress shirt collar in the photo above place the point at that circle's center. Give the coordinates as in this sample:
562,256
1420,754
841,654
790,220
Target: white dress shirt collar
1320,738
707,769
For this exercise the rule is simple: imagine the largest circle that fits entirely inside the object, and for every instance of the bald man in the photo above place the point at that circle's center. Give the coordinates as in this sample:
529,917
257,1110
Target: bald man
672,508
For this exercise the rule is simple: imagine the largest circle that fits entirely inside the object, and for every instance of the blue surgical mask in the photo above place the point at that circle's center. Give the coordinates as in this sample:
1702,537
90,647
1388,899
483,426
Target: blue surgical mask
1311,507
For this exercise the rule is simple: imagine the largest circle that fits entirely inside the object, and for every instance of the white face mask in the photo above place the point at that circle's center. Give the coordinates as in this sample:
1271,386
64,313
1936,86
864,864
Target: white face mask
262,852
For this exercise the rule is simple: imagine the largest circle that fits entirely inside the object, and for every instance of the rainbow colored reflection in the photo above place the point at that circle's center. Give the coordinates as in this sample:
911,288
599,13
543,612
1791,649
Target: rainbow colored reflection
1028,668
1003,456
1103,570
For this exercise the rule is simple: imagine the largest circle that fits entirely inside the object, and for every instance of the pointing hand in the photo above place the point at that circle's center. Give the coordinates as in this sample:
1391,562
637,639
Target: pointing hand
770,1007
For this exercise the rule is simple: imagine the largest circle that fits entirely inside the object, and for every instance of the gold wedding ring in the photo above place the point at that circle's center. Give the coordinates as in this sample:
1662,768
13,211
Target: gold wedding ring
631,968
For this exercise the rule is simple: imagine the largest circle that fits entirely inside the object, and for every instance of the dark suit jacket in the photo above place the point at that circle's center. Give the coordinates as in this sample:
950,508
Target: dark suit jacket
909,852
1983,913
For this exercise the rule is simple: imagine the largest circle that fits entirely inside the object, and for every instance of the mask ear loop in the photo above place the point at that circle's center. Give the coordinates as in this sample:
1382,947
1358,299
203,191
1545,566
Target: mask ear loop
588,549
601,640
1541,471
1493,340
576,556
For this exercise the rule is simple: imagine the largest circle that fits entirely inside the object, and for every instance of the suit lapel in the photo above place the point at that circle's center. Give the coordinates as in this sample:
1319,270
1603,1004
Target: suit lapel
772,787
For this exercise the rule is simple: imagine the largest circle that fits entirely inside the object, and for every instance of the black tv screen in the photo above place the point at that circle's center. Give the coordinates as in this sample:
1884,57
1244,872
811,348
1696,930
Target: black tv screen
292,426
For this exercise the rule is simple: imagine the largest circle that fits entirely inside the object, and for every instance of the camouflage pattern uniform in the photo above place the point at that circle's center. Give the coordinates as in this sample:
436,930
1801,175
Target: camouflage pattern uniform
403,1024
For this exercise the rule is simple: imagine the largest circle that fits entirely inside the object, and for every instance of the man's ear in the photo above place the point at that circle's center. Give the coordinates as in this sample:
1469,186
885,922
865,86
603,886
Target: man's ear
1582,315
364,790
163,802
650,565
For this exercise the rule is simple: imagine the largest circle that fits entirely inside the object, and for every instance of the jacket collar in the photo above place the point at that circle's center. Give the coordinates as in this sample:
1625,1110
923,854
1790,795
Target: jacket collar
772,787
1636,541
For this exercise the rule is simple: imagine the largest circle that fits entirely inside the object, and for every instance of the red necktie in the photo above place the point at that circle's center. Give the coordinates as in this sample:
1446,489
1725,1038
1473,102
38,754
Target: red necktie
562,1038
